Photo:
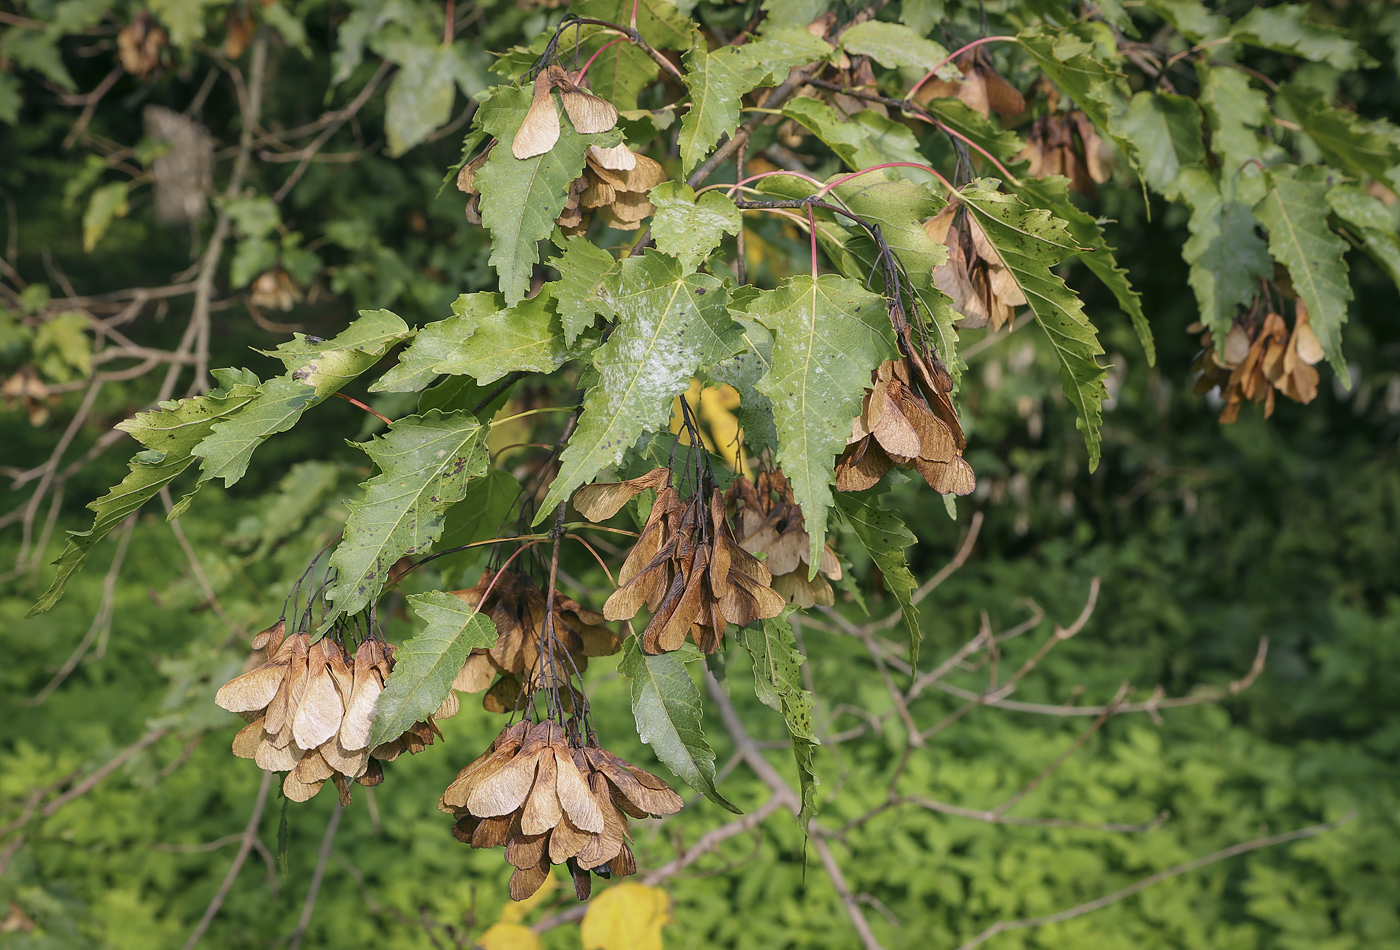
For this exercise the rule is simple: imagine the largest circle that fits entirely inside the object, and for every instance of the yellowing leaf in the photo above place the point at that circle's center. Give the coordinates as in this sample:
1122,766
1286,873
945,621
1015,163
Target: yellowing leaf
505,936
626,917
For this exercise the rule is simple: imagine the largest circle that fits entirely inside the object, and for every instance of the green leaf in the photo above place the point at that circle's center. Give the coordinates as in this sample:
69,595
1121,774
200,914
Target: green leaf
1076,65
829,335
11,100
921,15
1226,255
884,536
425,665
1373,224
1166,131
660,21
688,229
1366,149
1053,193
482,512
743,370
183,18
315,370
1235,108
1285,29
862,140
104,206
425,463
1191,17
62,349
420,98
666,705
1295,212
521,199
965,120
584,269
620,72
718,79
777,681
898,47
280,515
1029,241
169,434
669,322
485,340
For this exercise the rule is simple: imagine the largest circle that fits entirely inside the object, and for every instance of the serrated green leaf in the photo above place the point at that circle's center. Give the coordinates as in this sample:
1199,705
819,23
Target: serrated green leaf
1372,223
829,335
660,21
315,370
965,120
718,79
1191,17
688,229
105,205
1226,255
1076,65
777,680
1285,28
521,199
1235,109
425,464
425,665
620,72
1166,131
897,46
1053,193
884,536
666,705
483,339
1358,147
1029,241
482,512
862,140
168,434
1295,212
420,98
299,493
668,323
743,370
584,268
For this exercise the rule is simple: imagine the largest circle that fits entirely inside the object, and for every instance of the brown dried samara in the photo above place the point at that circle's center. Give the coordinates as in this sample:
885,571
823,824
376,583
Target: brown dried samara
517,607
1259,360
975,276
770,522
687,566
309,708
900,425
548,800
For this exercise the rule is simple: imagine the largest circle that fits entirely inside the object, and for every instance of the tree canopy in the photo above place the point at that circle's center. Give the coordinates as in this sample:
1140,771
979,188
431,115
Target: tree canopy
785,473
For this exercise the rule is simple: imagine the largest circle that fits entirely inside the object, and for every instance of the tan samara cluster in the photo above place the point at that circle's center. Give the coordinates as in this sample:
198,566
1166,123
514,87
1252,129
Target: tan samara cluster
686,566
549,800
770,522
309,708
1052,149
975,276
1260,359
982,88
516,665
899,425
616,181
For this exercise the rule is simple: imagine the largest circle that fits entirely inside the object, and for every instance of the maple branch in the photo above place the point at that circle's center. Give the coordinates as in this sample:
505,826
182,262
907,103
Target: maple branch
1108,899
317,876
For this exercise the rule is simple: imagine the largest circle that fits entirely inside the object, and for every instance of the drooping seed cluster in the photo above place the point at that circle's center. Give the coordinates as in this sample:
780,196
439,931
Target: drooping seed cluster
309,708
899,425
549,799
687,566
517,606
1260,359
770,522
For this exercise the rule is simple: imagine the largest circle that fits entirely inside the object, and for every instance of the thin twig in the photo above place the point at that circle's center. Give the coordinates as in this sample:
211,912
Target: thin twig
250,833
316,877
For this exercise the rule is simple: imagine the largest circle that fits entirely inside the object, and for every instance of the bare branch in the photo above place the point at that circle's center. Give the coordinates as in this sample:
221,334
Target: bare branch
317,876
250,834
